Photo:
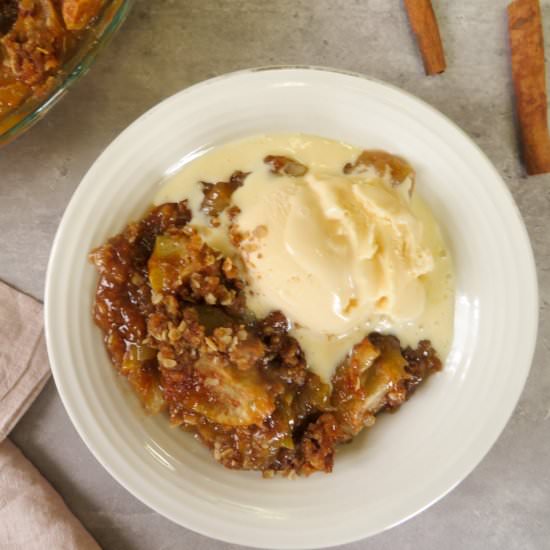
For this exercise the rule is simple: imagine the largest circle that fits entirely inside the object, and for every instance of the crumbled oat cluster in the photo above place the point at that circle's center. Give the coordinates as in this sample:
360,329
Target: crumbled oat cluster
173,313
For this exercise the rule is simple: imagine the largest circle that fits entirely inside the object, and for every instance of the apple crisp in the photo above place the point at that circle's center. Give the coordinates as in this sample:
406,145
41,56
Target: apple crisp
173,311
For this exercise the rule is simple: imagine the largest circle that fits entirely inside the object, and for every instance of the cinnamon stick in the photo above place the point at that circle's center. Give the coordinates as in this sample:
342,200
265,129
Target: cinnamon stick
528,72
424,25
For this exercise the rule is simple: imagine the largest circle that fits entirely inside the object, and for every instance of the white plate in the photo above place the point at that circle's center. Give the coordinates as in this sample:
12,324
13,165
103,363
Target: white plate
410,459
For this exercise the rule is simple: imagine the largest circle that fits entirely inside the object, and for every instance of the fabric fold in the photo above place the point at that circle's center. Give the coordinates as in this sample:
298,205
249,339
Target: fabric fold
32,515
23,359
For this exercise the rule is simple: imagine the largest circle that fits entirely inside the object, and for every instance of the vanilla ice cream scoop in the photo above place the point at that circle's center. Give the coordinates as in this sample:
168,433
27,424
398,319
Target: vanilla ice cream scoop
332,251
334,240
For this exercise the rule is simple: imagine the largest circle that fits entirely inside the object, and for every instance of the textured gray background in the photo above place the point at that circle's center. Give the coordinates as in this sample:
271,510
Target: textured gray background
167,45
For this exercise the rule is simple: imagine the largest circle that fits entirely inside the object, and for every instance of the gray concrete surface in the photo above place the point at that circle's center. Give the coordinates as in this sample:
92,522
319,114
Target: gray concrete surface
167,45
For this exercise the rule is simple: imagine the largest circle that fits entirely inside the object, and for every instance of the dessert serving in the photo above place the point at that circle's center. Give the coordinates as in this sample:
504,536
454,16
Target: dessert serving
282,292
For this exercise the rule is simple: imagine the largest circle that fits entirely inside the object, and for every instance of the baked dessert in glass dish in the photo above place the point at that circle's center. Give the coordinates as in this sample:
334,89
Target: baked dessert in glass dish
45,45
283,291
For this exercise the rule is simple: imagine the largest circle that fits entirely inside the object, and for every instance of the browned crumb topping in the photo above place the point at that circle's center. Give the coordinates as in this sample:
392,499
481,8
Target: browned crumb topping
285,166
399,168
217,196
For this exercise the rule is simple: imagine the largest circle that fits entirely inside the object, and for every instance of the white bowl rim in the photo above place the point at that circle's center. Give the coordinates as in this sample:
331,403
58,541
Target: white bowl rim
49,309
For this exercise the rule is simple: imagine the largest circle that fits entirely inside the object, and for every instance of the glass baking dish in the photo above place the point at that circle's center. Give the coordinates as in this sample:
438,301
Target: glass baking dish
96,36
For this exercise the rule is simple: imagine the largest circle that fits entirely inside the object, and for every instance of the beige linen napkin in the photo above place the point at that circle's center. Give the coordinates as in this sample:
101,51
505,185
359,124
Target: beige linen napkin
32,515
